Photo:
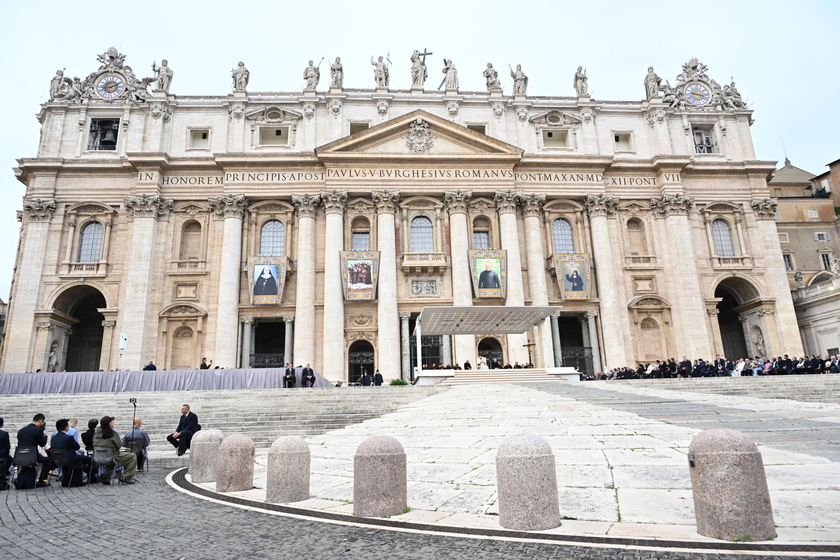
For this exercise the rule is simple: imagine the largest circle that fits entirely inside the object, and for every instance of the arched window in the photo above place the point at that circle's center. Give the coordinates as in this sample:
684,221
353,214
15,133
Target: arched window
561,235
722,234
360,235
90,242
481,234
273,239
422,237
636,237
190,242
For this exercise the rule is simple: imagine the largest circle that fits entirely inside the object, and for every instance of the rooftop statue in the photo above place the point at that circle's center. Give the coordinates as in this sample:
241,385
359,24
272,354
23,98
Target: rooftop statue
163,74
337,74
419,72
312,75
581,87
380,73
492,78
652,83
451,75
520,80
240,76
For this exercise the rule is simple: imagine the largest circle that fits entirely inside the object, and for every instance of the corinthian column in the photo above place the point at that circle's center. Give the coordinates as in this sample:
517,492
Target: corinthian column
333,202
25,290
532,208
506,202
456,204
776,277
599,207
304,340
688,304
389,353
231,209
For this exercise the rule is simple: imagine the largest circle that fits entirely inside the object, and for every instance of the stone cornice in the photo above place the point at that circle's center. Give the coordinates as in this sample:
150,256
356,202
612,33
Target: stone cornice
386,201
228,206
456,201
148,206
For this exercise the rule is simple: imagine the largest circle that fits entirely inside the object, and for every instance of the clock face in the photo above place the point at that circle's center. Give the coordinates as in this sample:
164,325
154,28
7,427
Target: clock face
110,86
697,94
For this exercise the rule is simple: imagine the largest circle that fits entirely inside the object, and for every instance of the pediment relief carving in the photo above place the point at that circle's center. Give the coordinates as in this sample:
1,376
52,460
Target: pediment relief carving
722,207
481,205
555,118
562,206
271,207
649,301
179,310
273,114
91,208
419,202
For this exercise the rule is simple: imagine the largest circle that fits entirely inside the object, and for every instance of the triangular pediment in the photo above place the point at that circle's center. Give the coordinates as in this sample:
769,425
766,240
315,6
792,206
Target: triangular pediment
418,135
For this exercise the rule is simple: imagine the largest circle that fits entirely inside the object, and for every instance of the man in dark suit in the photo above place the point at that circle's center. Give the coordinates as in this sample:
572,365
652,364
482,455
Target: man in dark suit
33,434
289,378
187,426
61,440
308,376
685,367
5,458
720,366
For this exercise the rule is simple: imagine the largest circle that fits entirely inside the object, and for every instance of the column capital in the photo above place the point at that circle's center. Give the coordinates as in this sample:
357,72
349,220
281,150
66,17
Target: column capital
334,201
555,315
600,205
456,201
506,201
713,311
44,325
148,206
532,204
405,315
39,210
386,201
765,208
670,205
305,204
228,206
289,319
109,324
247,320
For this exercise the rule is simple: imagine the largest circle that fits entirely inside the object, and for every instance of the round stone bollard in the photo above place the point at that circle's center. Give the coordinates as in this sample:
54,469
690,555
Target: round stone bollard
204,455
380,482
527,483
731,500
288,471
235,469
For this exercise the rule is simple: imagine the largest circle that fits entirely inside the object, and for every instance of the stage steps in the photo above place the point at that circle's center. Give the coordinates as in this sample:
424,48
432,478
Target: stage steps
499,376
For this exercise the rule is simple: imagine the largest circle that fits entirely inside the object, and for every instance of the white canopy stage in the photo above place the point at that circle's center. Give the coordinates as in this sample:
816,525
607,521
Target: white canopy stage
485,319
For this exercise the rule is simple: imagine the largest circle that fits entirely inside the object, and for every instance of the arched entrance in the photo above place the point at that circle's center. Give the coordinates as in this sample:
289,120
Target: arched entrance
84,347
491,349
361,357
733,293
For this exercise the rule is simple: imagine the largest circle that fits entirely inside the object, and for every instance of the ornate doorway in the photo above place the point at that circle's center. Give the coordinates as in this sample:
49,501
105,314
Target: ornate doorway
491,349
360,357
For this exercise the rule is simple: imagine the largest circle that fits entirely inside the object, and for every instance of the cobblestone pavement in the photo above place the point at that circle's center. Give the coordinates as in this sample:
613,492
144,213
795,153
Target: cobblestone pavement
152,520
782,424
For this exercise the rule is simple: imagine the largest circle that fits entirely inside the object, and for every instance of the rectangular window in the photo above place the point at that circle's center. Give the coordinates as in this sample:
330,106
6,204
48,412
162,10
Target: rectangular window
777,215
813,214
555,139
199,139
477,127
820,236
704,139
623,142
103,134
481,240
788,262
361,241
784,238
826,260
824,183
274,136
358,127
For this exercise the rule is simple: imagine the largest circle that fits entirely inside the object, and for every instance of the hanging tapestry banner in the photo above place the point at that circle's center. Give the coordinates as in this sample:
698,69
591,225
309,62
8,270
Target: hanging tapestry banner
489,273
267,277
572,271
360,274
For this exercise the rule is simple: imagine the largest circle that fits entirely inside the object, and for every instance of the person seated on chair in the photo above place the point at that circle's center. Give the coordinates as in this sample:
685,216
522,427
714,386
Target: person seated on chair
137,440
62,439
289,377
187,426
150,366
106,436
33,434
308,376
5,458
87,437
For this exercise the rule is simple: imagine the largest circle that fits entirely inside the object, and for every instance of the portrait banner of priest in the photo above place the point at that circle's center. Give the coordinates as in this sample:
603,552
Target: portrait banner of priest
489,270
361,273
572,271
267,277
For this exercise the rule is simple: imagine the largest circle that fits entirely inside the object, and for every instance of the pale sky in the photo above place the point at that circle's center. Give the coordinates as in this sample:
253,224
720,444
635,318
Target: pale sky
782,55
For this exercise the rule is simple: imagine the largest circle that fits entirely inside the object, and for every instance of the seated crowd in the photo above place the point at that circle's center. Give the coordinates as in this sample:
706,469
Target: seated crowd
483,363
721,367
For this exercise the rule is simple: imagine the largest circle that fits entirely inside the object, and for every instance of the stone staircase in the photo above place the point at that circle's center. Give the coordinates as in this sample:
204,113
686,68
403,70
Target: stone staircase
499,376
805,388
262,414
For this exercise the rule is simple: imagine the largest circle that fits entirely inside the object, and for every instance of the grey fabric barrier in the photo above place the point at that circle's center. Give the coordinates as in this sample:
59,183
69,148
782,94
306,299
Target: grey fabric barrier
161,380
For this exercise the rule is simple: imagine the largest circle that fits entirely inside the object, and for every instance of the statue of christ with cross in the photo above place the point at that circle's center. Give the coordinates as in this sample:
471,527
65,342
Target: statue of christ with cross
419,72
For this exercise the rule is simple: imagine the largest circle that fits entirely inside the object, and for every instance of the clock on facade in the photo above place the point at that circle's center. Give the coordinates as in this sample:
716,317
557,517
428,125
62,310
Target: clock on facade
697,94
110,86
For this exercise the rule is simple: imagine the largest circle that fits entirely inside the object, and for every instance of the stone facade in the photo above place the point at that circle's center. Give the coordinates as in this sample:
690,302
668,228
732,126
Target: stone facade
145,213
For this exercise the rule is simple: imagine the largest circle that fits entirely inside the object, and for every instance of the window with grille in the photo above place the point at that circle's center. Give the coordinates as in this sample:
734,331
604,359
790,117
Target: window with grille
788,262
704,140
90,242
826,260
422,236
360,241
722,234
561,235
273,239
481,234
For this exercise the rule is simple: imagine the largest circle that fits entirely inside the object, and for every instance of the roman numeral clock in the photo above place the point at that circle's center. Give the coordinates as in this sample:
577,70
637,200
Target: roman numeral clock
697,94
109,86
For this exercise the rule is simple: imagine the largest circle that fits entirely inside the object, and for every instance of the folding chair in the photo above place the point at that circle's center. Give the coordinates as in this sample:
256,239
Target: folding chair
136,447
104,457
26,456
62,459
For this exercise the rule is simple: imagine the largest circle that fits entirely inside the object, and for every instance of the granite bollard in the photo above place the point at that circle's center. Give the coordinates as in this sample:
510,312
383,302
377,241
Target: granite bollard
204,455
527,483
235,469
731,500
287,477
380,482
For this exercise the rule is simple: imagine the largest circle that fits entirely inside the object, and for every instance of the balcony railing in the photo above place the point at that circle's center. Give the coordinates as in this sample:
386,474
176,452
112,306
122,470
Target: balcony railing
424,262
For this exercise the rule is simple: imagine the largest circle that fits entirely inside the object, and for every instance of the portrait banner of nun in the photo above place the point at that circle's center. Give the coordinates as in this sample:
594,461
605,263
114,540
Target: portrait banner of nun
488,270
572,271
360,274
267,276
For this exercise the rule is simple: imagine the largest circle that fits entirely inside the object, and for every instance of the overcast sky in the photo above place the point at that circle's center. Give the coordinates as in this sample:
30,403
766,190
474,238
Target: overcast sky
782,55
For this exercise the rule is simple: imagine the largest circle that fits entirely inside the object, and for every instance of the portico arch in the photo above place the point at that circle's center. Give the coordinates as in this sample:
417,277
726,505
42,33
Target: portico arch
70,335
735,295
